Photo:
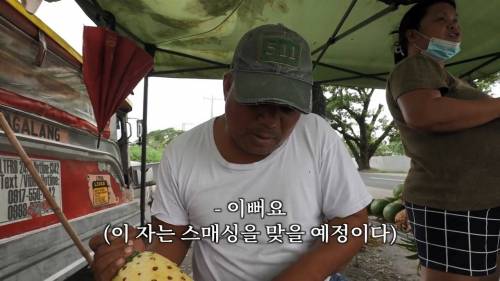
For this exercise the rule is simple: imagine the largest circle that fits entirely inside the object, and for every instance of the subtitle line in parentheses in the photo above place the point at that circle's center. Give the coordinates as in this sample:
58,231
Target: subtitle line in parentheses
396,180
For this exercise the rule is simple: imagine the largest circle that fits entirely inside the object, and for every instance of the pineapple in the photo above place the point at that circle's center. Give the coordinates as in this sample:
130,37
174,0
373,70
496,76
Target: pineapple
150,266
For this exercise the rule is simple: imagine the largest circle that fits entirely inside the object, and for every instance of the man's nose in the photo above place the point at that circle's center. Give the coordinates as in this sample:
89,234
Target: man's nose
268,114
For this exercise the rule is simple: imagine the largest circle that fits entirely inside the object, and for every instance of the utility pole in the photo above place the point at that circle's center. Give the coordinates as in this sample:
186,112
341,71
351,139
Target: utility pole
212,99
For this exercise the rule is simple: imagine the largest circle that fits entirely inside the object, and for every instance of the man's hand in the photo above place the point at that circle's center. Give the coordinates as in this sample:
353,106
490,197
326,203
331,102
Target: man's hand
108,259
325,258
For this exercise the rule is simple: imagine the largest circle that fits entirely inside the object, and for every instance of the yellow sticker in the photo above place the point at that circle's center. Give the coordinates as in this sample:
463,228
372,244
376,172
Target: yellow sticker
100,190
101,196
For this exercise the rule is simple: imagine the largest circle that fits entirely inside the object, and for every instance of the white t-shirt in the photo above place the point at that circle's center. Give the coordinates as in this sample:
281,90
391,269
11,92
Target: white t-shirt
311,176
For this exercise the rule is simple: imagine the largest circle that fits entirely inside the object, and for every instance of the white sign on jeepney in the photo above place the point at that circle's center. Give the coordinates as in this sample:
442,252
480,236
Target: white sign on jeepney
20,197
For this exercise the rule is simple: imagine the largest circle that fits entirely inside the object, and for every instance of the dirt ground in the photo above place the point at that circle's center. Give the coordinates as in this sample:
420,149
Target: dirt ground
381,262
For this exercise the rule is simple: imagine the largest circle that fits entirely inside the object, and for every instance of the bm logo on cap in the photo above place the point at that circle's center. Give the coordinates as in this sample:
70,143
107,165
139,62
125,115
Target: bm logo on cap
279,50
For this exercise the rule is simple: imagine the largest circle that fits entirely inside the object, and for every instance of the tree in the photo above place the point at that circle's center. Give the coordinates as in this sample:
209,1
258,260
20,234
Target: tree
152,154
159,138
485,84
393,146
156,143
362,128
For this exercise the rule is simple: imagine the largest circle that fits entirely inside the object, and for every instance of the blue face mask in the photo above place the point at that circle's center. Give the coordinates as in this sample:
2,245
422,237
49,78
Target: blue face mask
440,49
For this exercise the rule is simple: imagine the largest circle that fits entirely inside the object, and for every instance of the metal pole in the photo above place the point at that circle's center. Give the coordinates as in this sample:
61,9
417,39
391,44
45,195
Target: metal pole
319,101
212,107
143,151
211,99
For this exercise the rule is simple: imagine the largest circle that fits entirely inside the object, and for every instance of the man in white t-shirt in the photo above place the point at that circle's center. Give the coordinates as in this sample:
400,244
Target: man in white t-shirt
259,188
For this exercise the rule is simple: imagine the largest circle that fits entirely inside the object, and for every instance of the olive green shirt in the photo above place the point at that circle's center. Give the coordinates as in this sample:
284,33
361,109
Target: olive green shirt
454,170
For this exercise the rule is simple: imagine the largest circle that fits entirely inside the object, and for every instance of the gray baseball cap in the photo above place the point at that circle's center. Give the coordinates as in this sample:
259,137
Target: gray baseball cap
272,64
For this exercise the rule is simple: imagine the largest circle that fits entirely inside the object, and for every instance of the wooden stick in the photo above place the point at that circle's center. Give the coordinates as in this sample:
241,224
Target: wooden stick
43,187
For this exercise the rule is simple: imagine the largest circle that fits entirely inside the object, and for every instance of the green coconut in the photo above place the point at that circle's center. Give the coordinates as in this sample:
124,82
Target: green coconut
377,206
398,190
390,211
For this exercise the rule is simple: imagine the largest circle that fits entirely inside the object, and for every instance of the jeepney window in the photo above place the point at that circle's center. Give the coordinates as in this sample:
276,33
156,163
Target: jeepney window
55,82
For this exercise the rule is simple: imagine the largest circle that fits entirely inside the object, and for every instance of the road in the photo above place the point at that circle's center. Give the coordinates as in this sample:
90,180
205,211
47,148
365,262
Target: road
382,180
380,185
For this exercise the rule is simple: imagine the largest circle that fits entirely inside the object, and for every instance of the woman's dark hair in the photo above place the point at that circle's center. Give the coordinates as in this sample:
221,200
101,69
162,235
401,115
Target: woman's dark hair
411,20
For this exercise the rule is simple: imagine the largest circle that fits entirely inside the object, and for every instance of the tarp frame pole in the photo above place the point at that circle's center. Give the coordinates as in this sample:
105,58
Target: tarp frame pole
191,57
99,17
143,150
347,78
494,57
474,59
360,25
360,74
331,40
159,73
480,66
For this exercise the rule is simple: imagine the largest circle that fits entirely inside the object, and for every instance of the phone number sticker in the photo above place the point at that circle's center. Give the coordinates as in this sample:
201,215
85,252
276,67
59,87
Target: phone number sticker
20,197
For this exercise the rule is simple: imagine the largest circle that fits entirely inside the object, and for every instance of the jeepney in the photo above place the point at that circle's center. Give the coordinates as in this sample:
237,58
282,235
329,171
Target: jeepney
45,102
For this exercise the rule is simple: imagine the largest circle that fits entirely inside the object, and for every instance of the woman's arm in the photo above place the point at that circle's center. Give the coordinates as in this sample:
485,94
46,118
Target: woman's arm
428,110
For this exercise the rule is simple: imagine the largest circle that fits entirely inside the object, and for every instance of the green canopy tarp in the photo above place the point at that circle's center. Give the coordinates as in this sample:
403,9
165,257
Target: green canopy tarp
196,38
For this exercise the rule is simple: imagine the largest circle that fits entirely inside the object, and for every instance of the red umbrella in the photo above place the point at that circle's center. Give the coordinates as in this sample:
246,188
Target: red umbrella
112,67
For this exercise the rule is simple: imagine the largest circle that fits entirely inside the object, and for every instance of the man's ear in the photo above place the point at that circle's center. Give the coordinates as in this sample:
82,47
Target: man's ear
227,84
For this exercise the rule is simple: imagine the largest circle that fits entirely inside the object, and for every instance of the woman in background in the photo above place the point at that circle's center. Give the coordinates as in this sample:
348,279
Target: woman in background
451,132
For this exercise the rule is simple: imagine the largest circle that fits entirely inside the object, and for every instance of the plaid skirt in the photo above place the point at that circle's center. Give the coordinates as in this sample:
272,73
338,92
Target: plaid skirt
462,242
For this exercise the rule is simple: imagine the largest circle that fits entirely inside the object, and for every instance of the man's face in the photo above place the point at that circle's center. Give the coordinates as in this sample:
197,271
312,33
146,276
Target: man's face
258,129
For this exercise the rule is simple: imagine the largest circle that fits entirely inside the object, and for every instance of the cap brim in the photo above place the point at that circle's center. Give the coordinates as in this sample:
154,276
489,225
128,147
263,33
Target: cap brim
254,87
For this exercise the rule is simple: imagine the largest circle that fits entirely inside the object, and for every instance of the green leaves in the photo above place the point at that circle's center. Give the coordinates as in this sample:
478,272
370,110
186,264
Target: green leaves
410,244
152,154
159,138
412,257
363,129
485,84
